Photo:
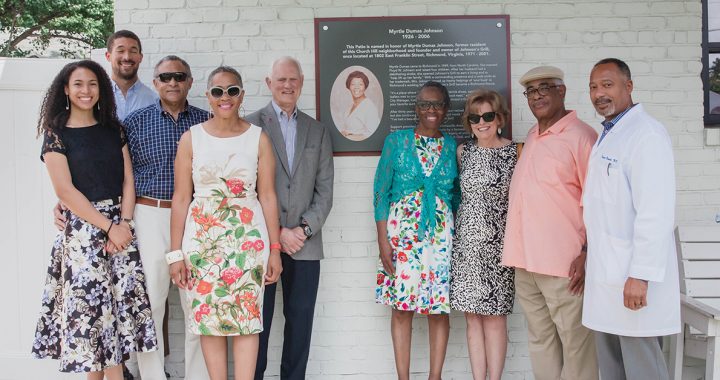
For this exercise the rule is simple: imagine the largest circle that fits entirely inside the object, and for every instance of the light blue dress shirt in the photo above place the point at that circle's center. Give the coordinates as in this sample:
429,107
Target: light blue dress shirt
138,96
288,126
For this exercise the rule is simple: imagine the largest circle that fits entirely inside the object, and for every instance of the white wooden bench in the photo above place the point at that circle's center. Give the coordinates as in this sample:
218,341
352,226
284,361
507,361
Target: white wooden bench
699,264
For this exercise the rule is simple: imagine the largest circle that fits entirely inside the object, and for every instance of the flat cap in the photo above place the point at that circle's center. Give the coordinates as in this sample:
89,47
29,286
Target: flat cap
541,72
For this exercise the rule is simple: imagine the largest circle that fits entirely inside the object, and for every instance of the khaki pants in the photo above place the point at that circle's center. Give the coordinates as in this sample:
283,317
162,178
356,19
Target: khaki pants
560,346
152,226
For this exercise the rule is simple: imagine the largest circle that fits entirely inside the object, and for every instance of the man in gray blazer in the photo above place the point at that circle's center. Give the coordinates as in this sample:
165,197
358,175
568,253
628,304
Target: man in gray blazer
304,184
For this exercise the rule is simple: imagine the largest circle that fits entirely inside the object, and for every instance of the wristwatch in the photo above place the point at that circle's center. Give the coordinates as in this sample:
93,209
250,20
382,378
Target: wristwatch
306,229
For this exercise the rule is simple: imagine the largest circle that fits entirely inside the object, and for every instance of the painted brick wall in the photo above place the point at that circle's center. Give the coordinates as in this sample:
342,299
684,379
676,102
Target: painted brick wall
660,40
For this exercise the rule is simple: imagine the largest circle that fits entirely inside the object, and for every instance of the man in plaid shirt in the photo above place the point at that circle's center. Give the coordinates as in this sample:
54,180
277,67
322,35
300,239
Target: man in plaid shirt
153,133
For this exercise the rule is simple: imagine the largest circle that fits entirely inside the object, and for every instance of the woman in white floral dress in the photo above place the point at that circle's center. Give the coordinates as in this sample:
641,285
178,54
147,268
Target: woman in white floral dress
415,194
225,221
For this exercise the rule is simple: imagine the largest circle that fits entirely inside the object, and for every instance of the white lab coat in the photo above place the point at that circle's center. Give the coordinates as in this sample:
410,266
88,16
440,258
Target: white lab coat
629,210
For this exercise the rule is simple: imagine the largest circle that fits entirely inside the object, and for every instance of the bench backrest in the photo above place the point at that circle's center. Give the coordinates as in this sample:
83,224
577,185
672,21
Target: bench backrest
699,262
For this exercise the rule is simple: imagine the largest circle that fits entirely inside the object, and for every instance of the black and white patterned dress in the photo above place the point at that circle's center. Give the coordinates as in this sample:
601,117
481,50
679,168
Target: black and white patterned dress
95,308
478,282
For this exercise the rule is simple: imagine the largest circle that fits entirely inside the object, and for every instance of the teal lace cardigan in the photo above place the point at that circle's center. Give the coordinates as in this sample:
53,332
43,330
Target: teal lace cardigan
399,173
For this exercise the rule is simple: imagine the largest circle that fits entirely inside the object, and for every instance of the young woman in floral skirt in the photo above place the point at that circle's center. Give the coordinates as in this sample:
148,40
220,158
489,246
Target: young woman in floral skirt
95,309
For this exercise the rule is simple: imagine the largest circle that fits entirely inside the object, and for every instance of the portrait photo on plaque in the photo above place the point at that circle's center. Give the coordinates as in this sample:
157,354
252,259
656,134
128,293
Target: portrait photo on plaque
366,83
356,103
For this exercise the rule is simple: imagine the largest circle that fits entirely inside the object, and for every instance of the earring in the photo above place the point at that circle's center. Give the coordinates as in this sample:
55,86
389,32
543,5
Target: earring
67,102
210,114
499,131
242,111
98,105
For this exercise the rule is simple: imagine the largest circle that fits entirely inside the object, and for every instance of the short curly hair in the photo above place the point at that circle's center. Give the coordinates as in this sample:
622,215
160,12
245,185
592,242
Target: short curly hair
357,74
440,87
482,95
224,69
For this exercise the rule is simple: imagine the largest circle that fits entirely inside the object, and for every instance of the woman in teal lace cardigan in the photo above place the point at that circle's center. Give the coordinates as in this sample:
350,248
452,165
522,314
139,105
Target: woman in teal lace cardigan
416,193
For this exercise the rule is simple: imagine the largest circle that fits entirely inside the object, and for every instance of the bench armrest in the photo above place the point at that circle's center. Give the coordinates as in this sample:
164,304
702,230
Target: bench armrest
699,307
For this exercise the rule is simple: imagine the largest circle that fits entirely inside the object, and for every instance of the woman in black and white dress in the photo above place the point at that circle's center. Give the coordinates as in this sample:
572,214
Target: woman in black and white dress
95,309
479,285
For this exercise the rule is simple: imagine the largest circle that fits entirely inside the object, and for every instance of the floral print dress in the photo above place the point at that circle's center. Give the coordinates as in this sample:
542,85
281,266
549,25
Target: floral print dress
422,266
225,241
95,308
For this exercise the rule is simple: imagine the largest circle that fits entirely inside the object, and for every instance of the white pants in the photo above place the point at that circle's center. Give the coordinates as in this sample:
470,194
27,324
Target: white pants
152,226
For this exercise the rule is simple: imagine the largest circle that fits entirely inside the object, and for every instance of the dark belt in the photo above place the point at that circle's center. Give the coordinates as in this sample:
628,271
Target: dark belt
153,202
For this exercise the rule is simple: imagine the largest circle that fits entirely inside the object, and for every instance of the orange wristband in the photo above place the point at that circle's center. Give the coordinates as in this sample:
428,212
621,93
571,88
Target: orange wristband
275,246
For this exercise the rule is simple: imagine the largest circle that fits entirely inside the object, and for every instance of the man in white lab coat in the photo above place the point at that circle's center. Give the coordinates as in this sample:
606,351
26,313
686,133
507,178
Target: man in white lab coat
632,292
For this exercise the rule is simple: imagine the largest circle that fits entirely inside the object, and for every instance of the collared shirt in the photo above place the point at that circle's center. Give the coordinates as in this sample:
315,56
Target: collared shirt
153,137
545,231
607,125
288,127
138,96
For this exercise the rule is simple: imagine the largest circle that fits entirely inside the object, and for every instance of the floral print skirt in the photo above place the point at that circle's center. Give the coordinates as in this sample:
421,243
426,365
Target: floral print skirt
95,308
422,268
226,249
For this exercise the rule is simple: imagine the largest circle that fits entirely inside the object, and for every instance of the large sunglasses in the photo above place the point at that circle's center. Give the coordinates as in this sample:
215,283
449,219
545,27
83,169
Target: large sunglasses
167,77
474,118
232,91
425,105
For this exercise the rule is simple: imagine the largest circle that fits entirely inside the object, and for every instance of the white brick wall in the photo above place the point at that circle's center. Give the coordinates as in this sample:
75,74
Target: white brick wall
660,40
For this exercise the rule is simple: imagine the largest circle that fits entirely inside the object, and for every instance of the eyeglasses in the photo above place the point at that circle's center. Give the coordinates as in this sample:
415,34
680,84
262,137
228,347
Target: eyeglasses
232,91
474,118
542,90
167,77
425,105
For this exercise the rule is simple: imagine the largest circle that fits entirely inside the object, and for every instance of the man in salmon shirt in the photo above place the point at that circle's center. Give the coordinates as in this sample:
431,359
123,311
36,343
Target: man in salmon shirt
545,234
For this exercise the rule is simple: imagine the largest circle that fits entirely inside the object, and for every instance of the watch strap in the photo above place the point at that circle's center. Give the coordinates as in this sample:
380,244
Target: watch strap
306,229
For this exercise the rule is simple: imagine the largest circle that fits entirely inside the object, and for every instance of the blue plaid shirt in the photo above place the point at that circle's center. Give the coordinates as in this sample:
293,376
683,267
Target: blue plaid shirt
153,137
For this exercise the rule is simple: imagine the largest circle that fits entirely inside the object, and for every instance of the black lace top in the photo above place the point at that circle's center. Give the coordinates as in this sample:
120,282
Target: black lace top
94,155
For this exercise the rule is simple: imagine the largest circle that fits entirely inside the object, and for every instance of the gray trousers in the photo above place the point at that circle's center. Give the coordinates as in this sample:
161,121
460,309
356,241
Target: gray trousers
627,357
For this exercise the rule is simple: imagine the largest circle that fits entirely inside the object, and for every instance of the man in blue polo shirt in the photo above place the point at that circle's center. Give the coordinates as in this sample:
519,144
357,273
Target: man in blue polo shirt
153,133
124,52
